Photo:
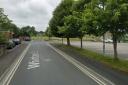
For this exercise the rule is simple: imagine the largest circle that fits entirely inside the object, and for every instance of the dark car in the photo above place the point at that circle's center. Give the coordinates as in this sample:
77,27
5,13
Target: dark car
17,41
10,44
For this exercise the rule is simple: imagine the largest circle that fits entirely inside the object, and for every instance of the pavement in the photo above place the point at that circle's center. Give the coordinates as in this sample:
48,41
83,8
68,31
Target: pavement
98,47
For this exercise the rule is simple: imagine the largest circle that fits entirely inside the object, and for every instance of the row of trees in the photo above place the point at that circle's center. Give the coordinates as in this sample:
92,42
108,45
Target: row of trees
75,18
6,25
28,31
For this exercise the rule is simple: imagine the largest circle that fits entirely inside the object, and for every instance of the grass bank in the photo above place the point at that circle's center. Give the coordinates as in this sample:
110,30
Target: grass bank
121,65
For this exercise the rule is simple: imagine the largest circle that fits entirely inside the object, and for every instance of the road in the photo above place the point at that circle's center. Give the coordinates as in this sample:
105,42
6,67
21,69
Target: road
44,66
98,47
7,59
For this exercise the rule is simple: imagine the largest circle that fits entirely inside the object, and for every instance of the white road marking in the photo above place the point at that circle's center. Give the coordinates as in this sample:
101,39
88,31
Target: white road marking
11,71
87,71
34,61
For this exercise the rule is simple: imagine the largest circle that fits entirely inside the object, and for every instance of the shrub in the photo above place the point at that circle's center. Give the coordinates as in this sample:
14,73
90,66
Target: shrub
3,39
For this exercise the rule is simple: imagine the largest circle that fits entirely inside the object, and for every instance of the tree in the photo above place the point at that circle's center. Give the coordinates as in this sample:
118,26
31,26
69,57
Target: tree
79,5
101,19
58,20
78,8
48,32
3,40
4,26
4,20
118,20
71,27
28,31
94,17
16,30
110,16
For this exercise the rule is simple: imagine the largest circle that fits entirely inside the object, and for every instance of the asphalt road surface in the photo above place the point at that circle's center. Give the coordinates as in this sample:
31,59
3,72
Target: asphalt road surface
44,66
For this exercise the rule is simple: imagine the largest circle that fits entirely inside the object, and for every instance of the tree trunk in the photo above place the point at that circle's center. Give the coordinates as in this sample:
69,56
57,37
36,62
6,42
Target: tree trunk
49,37
115,47
62,41
81,42
104,44
68,41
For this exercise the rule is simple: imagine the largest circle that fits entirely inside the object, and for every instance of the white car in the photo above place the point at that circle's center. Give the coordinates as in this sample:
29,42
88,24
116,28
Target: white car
108,41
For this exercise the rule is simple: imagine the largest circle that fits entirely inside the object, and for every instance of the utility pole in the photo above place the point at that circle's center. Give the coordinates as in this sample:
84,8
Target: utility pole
104,44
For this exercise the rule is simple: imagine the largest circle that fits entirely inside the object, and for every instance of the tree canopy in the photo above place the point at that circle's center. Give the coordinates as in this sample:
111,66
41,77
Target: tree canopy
95,17
58,20
28,31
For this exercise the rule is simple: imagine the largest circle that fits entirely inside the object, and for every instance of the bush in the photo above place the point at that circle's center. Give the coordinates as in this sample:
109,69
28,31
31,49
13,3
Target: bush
3,39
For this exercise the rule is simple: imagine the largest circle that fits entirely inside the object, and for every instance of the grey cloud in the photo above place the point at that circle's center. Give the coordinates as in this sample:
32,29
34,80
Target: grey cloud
30,12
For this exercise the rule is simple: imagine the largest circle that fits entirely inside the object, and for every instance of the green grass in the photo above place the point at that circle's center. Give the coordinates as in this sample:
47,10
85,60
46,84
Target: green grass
40,38
120,65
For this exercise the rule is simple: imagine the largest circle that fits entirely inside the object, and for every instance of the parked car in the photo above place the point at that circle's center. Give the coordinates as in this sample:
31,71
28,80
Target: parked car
17,41
108,41
27,39
10,44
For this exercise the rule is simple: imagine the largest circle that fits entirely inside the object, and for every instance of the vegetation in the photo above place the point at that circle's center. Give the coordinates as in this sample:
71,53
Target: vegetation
120,65
10,30
3,40
76,18
48,33
58,21
28,31
4,24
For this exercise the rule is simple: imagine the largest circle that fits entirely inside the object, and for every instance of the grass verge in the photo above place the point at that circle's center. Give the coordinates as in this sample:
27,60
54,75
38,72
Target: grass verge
120,65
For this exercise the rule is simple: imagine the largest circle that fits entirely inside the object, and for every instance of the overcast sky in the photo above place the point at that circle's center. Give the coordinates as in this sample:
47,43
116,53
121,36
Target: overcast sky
30,12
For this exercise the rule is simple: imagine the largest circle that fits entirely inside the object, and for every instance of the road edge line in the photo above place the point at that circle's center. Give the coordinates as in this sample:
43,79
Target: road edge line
86,70
13,68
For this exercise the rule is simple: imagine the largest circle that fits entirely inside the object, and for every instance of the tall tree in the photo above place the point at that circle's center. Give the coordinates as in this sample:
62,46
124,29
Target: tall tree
101,18
48,32
14,29
4,20
118,20
58,20
110,16
71,27
78,7
4,26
